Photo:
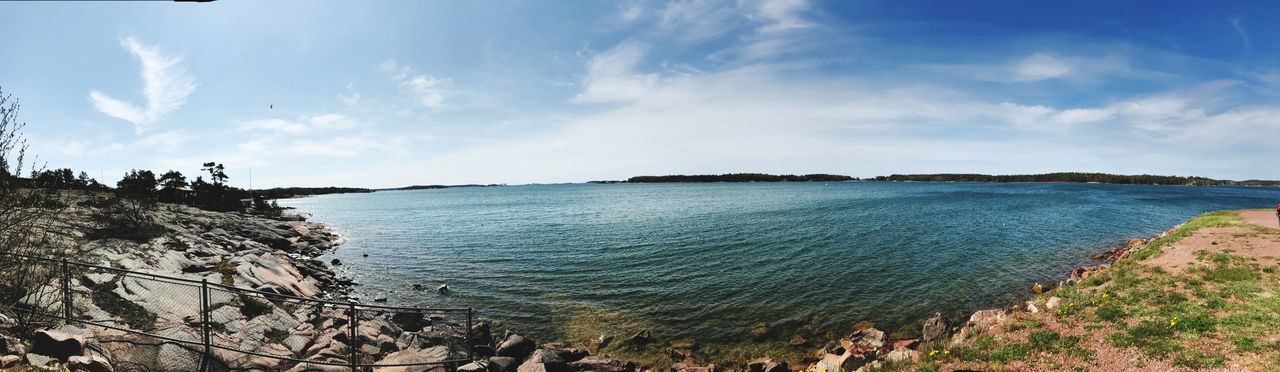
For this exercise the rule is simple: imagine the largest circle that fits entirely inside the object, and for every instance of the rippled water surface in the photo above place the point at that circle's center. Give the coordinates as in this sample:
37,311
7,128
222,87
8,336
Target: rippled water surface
712,261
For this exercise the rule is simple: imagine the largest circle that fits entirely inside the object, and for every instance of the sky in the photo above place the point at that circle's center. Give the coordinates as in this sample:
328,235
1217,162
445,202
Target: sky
397,93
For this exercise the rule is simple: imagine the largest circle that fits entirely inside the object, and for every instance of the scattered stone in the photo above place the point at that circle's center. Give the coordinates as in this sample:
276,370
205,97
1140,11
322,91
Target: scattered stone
336,262
10,346
798,340
367,255
1031,307
417,287
443,289
906,344
90,363
57,344
1038,289
766,365
380,299
1052,303
934,328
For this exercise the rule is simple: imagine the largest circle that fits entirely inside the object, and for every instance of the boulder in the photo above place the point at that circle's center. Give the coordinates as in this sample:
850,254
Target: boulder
481,334
568,354
57,344
866,336
476,366
602,364
172,357
934,328
515,346
1031,307
42,360
1038,289
986,320
502,364
543,360
90,363
902,356
410,322
8,361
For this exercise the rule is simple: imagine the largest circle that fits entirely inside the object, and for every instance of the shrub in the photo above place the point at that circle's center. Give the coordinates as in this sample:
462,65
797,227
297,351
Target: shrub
128,219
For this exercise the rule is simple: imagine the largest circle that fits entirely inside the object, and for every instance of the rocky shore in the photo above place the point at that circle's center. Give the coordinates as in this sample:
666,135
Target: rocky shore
279,256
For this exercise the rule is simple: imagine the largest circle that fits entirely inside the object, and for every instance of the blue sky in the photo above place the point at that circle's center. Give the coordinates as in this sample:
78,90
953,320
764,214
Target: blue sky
386,94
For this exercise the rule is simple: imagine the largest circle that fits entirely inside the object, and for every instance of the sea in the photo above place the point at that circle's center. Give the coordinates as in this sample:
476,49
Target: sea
715,261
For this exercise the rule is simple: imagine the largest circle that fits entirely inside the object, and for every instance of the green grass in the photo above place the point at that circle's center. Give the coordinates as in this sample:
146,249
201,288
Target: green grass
1197,360
1216,218
1044,341
1010,352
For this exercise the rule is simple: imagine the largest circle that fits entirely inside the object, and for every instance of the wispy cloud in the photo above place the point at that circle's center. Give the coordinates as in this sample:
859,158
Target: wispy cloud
166,86
1244,36
429,91
780,15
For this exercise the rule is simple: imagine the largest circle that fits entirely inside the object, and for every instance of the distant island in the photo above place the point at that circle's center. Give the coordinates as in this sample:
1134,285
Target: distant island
292,192
434,187
1075,177
1066,177
742,177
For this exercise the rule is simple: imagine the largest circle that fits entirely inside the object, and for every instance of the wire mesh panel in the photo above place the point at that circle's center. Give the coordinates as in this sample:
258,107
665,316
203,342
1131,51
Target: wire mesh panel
150,322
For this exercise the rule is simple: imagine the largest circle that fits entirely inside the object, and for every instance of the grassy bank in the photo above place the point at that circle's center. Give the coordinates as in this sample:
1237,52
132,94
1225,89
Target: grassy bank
1218,310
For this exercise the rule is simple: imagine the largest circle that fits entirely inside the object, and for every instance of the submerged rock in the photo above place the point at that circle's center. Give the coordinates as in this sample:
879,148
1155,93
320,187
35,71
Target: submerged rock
935,327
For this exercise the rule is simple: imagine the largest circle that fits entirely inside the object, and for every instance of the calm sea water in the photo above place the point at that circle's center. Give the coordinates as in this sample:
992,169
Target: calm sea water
713,261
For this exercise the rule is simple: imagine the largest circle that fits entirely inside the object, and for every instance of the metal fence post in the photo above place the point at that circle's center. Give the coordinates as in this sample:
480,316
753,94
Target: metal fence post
470,343
351,322
66,293
204,323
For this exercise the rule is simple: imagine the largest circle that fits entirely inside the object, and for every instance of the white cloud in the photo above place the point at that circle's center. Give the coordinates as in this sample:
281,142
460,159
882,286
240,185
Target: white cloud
165,86
429,91
276,125
611,75
1041,66
305,124
781,15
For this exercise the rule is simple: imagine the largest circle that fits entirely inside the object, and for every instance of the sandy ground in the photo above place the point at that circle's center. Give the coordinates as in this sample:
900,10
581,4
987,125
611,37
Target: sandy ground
1265,218
1238,239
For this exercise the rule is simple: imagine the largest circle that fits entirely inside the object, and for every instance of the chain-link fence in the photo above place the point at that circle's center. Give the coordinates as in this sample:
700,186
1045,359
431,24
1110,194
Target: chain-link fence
143,321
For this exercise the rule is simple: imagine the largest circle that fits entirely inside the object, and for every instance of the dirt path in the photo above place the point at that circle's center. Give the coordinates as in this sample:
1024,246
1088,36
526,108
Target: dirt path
1265,218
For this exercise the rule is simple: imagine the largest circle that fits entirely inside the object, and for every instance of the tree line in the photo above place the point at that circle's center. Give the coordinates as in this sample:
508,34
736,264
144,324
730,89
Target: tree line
1075,177
742,177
